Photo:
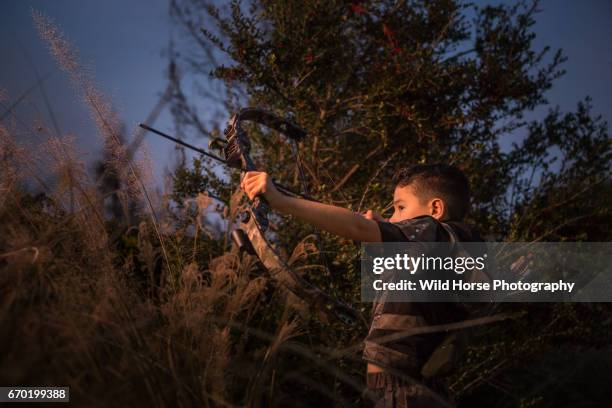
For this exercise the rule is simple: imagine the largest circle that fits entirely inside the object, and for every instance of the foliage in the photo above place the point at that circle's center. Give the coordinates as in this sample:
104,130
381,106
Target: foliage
381,85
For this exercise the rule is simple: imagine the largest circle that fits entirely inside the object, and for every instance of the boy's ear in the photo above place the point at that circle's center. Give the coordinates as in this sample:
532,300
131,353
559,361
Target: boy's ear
437,208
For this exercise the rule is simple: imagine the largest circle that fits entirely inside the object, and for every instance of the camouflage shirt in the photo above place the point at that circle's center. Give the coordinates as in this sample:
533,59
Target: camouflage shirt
411,353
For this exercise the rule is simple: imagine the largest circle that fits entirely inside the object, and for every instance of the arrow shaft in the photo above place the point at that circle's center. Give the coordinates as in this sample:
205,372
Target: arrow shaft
180,142
284,189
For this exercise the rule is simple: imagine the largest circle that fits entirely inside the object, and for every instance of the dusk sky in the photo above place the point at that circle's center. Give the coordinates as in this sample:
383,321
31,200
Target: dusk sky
123,41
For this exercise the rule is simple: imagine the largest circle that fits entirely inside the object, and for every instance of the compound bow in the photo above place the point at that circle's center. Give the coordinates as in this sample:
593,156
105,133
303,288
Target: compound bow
254,221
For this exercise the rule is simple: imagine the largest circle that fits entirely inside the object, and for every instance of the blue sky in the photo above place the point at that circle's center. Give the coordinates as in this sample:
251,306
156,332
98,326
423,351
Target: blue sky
123,42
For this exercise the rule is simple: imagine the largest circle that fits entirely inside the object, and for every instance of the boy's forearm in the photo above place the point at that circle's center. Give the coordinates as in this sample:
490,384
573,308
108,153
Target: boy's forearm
335,220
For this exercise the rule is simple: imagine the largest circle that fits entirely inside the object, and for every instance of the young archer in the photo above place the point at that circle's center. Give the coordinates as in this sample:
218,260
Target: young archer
428,199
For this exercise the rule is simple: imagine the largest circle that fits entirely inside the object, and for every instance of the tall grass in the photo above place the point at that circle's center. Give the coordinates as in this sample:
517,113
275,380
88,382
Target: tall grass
103,115
126,320
81,309
73,311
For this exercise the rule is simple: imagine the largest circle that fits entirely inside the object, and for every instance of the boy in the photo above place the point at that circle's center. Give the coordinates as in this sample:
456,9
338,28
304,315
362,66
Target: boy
428,201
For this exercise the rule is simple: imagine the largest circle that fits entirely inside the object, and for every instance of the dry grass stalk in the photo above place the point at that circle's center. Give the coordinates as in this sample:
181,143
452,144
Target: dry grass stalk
101,111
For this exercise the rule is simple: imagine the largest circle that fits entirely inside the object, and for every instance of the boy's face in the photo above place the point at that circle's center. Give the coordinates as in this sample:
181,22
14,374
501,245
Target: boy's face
407,205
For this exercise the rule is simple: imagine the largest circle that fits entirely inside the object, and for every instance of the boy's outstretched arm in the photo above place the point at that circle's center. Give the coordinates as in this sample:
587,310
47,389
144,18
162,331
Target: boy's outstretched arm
335,220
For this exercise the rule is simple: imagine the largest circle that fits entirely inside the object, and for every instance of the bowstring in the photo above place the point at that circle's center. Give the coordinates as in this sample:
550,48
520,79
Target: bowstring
317,236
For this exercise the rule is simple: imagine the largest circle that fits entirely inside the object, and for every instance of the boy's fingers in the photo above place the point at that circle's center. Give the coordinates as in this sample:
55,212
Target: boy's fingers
252,174
368,215
247,176
251,183
254,183
371,215
253,187
249,192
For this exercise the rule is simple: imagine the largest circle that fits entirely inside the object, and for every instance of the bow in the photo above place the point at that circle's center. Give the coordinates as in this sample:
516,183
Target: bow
254,222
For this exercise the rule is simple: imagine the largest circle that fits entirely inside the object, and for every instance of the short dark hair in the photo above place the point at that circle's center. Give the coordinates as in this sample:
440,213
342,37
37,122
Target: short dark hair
438,180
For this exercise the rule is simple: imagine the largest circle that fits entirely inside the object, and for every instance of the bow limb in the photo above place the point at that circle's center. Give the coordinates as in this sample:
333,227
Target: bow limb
282,273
